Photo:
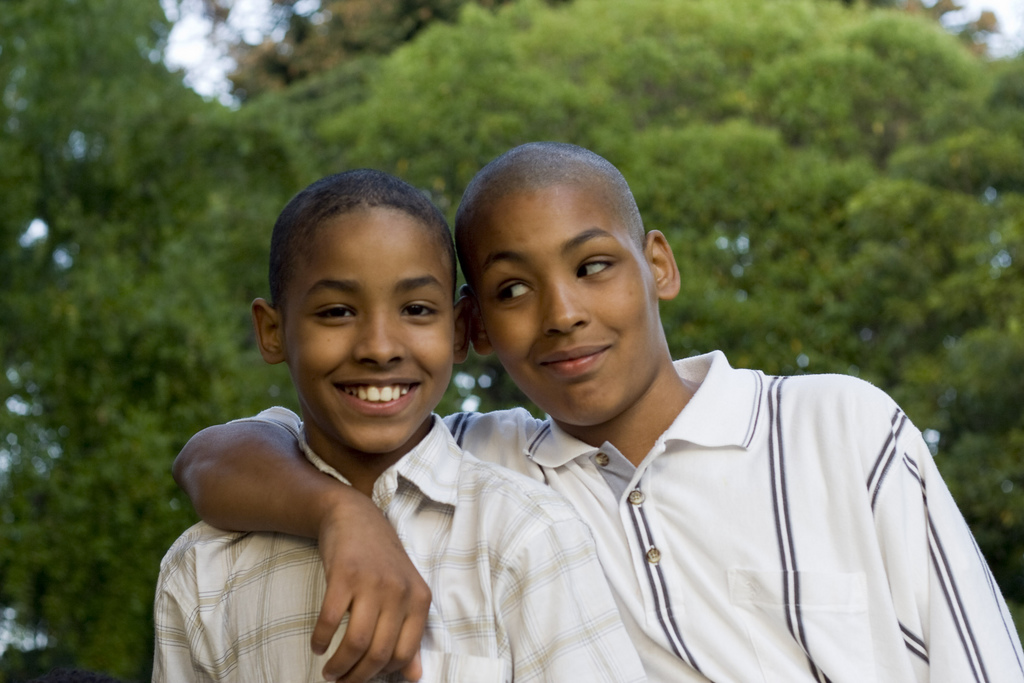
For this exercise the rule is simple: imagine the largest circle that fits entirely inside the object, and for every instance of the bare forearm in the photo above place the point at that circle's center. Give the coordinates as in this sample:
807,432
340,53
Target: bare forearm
251,476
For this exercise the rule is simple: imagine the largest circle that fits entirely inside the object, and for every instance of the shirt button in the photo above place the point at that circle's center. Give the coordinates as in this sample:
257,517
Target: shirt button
601,459
636,496
654,556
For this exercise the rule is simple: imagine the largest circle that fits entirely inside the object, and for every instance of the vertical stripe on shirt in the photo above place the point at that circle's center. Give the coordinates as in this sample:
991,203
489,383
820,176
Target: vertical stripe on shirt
914,643
755,415
948,584
783,526
1008,627
659,587
459,428
950,590
953,600
662,606
886,457
952,594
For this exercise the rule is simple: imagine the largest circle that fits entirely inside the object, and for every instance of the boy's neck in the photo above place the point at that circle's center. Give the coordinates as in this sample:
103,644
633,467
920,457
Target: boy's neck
359,468
635,431
362,478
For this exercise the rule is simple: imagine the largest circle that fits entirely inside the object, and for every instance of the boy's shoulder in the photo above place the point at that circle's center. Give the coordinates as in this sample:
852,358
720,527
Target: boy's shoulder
841,396
498,485
714,369
214,594
847,422
512,425
205,558
197,538
501,437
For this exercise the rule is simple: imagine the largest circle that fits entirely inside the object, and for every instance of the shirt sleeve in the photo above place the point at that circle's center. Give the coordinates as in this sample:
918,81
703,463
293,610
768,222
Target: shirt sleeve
173,658
559,613
282,417
500,437
954,620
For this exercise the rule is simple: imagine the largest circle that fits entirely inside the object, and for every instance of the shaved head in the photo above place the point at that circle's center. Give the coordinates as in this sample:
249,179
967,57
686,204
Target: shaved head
535,166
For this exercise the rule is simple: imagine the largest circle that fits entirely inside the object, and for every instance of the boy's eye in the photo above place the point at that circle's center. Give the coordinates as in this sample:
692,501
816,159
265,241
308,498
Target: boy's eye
335,312
512,291
591,268
418,310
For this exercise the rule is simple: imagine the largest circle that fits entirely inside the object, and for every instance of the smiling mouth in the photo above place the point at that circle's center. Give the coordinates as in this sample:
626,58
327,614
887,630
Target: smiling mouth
375,394
572,356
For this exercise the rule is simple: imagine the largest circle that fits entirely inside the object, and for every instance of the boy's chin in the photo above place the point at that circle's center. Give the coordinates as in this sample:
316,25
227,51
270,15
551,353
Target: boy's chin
382,439
580,419
586,411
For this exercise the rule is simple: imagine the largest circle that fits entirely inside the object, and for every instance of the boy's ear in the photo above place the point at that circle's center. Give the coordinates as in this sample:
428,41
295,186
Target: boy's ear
462,326
663,266
266,321
477,333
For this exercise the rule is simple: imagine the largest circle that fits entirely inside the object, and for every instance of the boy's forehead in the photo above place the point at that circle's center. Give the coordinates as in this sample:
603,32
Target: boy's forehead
580,205
370,234
593,188
439,237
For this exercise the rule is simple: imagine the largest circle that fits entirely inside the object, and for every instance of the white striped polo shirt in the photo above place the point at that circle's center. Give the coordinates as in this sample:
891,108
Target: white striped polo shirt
781,530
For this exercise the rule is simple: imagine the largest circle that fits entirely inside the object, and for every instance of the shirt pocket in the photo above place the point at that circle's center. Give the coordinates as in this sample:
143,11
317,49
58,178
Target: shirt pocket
828,623
450,667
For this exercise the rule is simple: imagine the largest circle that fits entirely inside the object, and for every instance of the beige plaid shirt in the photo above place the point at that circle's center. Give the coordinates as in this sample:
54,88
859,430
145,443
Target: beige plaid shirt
518,591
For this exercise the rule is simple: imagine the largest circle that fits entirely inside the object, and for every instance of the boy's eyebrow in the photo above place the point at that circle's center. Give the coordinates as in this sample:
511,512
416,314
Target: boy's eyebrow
491,259
575,242
583,237
411,283
347,286
352,287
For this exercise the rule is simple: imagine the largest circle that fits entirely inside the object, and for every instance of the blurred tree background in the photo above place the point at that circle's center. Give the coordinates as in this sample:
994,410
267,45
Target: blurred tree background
842,182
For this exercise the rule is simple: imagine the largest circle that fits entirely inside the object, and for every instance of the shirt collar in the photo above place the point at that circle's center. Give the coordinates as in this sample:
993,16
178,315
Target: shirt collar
722,412
432,467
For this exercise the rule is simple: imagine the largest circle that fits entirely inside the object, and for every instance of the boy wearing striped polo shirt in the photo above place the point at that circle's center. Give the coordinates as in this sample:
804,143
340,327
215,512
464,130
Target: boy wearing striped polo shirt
753,528
362,280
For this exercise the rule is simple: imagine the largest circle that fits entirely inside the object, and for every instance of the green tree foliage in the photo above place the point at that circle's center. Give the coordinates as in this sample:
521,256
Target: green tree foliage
305,43
307,39
124,327
842,186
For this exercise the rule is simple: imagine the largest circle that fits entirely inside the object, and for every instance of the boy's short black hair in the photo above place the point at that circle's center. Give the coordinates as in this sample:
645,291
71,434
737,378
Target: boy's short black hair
537,165
339,194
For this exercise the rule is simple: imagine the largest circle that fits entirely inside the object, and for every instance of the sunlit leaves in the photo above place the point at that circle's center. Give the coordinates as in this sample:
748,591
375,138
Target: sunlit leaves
842,189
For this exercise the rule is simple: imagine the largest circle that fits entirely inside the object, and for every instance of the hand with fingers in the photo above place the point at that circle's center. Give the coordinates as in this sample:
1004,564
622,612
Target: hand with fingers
369,577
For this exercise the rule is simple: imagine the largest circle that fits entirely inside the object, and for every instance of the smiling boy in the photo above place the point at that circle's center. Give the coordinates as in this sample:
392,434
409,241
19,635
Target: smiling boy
753,528
362,279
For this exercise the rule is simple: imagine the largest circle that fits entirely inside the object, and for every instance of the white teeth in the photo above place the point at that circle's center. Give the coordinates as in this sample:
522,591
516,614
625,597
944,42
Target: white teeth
374,394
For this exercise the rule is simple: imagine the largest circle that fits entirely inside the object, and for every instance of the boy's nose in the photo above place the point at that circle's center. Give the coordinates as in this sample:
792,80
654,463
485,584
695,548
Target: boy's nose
564,311
379,342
